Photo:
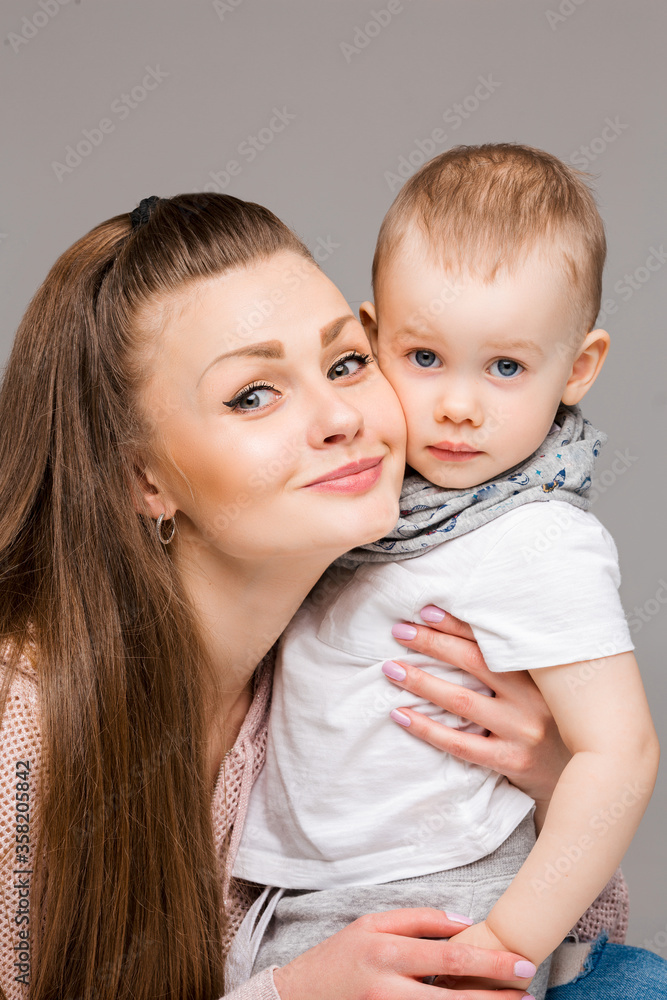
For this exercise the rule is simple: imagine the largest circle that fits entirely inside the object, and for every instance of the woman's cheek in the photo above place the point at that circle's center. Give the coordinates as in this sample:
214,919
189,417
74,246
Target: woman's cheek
388,413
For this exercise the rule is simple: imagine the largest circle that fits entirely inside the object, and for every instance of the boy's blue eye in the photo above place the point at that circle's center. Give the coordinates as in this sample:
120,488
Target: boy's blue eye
506,368
425,359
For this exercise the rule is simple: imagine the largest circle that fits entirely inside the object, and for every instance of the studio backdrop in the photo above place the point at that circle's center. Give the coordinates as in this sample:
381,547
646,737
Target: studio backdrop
320,109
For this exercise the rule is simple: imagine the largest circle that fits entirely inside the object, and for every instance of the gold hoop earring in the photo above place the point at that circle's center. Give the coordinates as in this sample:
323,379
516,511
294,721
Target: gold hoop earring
158,529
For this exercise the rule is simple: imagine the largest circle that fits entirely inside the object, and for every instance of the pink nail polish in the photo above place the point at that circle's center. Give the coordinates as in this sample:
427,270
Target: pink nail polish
458,919
432,614
394,670
400,717
528,996
524,970
404,631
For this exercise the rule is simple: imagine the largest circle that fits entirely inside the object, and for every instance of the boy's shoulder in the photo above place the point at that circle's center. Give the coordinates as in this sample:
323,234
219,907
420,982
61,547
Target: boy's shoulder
551,510
546,535
554,531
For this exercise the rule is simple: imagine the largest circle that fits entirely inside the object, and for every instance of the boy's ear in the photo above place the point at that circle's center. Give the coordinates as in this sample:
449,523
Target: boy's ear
370,325
586,366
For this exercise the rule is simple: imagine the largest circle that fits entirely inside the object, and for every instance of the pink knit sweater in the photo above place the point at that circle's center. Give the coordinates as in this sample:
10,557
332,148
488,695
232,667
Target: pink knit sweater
20,761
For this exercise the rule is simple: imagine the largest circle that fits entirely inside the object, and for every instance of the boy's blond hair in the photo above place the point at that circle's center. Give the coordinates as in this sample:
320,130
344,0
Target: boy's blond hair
481,209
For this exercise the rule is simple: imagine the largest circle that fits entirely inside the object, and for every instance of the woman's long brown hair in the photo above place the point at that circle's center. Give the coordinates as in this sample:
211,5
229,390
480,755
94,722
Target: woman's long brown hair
130,885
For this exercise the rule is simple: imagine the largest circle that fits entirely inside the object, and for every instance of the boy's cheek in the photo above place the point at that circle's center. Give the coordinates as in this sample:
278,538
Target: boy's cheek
383,359
416,443
393,369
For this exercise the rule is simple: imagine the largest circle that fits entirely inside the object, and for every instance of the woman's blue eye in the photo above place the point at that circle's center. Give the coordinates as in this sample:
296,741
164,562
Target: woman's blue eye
506,368
254,400
349,365
255,397
425,359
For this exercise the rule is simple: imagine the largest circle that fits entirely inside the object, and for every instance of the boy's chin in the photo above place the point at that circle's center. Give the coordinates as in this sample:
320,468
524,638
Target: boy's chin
456,480
455,476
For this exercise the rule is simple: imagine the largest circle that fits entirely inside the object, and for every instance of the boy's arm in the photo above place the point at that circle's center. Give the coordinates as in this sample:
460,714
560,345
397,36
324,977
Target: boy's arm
603,716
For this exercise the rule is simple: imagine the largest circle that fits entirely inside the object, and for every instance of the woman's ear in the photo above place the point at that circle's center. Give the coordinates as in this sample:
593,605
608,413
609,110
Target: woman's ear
148,497
369,323
586,367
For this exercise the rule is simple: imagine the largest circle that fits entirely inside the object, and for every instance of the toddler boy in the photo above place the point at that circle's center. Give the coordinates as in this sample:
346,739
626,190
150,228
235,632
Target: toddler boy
487,283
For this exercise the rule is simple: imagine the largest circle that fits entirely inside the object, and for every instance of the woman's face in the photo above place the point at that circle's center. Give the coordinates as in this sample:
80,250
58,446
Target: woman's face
276,433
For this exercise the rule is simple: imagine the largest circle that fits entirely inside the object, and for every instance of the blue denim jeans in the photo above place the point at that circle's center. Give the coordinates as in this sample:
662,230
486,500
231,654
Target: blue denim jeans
616,972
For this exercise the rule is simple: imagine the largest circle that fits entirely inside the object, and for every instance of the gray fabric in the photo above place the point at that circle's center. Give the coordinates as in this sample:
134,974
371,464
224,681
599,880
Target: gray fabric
561,469
568,961
303,918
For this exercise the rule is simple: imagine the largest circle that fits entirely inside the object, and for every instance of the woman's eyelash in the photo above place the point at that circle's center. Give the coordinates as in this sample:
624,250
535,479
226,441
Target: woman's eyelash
253,387
364,359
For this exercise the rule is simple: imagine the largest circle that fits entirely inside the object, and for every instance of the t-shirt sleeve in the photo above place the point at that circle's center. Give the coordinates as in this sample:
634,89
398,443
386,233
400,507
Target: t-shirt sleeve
546,592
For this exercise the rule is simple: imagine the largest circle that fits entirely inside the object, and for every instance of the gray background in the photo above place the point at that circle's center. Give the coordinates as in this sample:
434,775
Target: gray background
558,68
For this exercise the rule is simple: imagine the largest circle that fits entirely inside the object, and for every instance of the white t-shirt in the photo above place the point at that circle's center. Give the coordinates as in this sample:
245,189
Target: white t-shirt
346,797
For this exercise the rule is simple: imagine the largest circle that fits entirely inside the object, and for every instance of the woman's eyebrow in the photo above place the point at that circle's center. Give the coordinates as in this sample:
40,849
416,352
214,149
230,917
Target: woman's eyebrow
332,329
265,349
274,349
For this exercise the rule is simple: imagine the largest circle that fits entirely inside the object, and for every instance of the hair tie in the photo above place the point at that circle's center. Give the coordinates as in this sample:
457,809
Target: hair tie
142,214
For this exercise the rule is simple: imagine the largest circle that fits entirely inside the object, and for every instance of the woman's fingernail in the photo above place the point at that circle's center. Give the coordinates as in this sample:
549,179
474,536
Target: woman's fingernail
458,919
400,717
404,631
394,670
432,614
524,970
528,996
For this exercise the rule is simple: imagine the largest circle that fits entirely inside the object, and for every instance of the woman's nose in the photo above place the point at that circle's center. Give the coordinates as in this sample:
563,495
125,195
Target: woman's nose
334,419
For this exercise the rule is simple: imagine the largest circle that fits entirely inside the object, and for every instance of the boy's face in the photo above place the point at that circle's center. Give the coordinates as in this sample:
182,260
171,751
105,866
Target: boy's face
479,368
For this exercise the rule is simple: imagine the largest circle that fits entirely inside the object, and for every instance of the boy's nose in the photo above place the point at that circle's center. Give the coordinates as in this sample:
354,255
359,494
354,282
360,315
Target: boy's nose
460,402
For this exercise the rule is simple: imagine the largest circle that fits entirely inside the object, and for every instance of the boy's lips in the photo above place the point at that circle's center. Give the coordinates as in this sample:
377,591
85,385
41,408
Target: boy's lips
452,451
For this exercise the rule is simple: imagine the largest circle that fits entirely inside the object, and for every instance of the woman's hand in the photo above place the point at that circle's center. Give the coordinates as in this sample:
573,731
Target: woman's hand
523,742
384,956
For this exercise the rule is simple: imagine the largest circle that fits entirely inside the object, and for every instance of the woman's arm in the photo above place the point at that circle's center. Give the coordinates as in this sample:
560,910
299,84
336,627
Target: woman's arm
258,987
523,742
388,955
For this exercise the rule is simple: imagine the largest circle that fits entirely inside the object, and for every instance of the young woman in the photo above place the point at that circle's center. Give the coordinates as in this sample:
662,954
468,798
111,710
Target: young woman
192,429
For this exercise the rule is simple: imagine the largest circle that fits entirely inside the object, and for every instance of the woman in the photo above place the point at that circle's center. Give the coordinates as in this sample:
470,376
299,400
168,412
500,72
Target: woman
158,533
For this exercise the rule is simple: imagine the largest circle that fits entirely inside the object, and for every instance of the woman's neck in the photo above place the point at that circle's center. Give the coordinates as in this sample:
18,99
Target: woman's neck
243,607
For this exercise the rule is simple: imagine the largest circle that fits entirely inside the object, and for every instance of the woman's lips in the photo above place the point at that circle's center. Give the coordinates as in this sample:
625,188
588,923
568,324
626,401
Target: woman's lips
356,477
448,451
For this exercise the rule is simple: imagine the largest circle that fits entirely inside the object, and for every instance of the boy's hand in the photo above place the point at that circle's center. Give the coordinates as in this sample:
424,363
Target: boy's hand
482,936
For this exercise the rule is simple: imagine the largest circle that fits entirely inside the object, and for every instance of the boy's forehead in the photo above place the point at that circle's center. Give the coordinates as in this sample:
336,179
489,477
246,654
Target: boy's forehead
416,251
525,308
424,283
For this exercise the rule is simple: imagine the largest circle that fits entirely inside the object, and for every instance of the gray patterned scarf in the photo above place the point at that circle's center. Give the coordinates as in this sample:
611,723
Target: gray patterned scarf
561,468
